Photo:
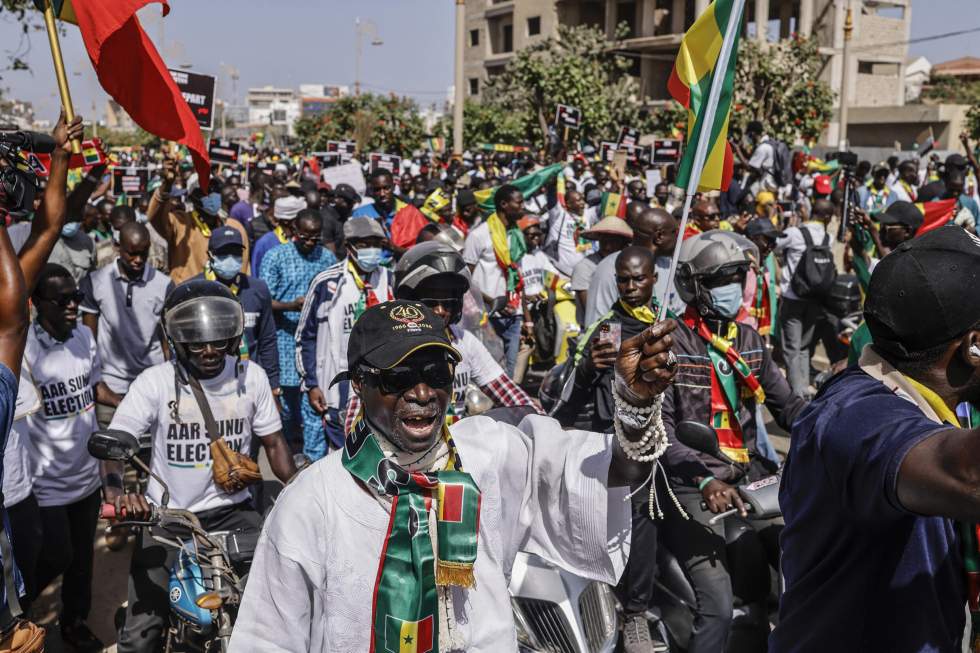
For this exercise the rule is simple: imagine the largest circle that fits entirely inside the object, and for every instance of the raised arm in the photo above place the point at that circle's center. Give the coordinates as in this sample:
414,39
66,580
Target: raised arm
48,221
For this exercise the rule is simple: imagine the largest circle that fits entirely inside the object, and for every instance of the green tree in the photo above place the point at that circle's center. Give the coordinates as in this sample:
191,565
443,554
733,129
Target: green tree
973,121
379,123
576,67
779,84
946,88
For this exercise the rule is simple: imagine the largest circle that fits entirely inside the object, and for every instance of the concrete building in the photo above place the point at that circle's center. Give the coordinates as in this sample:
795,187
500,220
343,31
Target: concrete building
269,105
964,69
496,29
917,73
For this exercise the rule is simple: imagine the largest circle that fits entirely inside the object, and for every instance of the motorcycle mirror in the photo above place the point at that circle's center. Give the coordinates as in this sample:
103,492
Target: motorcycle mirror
699,437
113,445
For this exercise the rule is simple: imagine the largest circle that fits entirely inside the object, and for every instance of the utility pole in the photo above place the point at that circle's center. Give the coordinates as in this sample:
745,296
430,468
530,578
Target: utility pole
459,93
845,75
361,28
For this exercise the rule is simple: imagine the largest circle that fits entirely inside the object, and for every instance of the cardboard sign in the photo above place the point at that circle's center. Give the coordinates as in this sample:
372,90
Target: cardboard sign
346,173
130,181
390,162
665,151
568,116
224,151
198,90
619,164
328,159
606,151
346,149
629,138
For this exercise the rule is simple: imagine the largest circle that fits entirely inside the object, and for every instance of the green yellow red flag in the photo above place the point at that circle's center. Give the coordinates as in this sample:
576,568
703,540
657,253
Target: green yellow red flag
697,65
936,214
63,9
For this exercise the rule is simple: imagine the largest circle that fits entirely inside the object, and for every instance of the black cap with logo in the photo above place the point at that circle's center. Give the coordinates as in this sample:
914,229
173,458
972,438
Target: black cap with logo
388,333
922,294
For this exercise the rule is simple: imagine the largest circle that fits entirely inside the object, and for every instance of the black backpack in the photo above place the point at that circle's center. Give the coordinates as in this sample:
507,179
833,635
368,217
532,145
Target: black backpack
782,163
816,273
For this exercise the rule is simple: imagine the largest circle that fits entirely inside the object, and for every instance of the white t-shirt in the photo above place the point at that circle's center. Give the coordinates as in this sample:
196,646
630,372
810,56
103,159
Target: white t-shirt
17,479
561,228
311,583
56,436
533,266
242,404
477,365
764,160
478,251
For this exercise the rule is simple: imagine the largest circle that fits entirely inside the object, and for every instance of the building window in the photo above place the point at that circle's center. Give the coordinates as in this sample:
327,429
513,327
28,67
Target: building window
534,25
278,115
474,37
474,86
508,45
884,69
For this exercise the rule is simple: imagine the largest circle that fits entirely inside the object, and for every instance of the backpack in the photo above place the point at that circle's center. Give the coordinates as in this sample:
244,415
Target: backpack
782,163
815,274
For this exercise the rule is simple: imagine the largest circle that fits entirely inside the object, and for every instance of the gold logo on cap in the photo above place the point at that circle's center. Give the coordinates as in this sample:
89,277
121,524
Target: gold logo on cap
407,314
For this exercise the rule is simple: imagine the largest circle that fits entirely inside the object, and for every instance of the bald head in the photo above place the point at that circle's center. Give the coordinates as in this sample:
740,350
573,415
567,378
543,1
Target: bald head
823,210
634,255
134,235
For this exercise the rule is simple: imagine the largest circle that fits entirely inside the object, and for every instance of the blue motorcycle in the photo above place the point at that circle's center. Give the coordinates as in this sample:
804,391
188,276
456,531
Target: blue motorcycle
207,578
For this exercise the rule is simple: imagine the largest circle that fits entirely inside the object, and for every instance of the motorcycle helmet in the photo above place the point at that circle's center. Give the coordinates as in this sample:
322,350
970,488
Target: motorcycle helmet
708,256
427,262
199,311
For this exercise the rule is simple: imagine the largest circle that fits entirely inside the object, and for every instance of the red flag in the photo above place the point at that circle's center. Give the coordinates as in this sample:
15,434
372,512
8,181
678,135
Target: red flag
406,225
936,214
132,72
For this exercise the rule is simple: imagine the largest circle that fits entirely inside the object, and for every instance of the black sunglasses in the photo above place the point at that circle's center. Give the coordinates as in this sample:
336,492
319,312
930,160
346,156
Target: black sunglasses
395,380
65,300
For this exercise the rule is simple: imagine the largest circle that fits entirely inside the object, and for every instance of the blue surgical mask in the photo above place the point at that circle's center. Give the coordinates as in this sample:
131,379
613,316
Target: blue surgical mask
211,204
369,258
70,229
226,267
727,299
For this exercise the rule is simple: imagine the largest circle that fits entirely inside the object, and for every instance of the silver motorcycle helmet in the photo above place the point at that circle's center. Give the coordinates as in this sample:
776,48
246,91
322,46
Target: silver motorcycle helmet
708,256
200,311
427,262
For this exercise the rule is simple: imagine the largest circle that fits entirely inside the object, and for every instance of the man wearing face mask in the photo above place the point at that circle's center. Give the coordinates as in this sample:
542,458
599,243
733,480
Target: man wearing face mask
725,372
225,254
335,300
288,270
284,212
187,233
122,307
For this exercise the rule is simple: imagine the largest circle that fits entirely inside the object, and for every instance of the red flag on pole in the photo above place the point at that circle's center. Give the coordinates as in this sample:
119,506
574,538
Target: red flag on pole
132,72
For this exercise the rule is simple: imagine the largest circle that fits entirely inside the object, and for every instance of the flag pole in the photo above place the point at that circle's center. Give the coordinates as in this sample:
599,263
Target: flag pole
59,70
701,153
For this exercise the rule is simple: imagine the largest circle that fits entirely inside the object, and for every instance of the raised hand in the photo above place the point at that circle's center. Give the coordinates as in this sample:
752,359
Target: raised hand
645,363
64,132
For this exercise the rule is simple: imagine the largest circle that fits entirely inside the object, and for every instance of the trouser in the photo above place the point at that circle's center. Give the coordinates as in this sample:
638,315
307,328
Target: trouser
148,609
636,584
67,550
801,323
314,431
26,537
292,400
508,328
707,560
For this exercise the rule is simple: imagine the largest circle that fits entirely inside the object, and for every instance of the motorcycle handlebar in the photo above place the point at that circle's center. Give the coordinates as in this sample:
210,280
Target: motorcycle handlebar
157,514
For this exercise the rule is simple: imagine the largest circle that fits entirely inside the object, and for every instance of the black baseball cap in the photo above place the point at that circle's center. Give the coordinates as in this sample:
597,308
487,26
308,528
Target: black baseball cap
762,227
347,192
388,333
920,295
956,160
903,213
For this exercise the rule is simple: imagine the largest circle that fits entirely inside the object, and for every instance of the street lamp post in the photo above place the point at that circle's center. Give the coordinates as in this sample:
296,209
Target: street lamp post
459,93
362,28
845,78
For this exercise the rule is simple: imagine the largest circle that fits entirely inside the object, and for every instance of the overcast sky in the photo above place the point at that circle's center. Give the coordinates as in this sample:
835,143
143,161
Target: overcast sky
289,42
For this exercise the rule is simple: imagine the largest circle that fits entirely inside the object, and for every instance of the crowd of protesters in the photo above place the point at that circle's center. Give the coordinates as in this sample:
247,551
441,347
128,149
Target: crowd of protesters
538,264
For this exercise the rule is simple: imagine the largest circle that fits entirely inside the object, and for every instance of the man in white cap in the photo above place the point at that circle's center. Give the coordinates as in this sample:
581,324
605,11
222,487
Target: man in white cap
284,212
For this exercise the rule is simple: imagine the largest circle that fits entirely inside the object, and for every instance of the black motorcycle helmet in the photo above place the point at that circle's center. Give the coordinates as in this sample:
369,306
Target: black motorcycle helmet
708,256
200,311
427,262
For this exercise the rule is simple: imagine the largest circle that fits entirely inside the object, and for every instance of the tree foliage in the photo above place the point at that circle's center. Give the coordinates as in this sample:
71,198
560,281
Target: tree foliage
779,84
973,121
949,89
379,123
577,68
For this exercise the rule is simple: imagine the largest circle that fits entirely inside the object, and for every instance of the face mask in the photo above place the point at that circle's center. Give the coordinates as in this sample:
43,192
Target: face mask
727,299
226,267
369,258
211,204
70,229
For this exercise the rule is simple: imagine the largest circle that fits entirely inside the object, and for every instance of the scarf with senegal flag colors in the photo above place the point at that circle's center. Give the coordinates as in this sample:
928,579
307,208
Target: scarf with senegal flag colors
727,391
509,247
405,614
764,307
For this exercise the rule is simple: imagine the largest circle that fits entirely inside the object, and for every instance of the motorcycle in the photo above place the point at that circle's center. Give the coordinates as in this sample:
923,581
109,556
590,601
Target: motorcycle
674,604
207,578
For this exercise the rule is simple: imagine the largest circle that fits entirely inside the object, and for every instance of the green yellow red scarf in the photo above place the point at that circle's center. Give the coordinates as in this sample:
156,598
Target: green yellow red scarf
764,307
406,598
509,247
727,391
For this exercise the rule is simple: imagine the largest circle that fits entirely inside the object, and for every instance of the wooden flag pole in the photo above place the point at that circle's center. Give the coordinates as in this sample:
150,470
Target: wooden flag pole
701,153
59,71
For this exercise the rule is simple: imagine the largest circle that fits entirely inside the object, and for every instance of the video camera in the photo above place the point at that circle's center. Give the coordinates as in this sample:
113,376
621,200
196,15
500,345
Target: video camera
18,181
848,162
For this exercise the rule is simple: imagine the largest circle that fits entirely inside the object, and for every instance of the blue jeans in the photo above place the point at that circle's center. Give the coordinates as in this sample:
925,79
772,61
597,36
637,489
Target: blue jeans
508,328
292,416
